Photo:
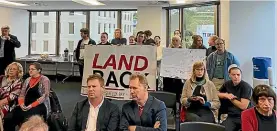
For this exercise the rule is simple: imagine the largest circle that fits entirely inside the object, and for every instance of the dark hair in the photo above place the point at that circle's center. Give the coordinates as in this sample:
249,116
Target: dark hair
85,31
105,33
177,30
148,33
37,66
157,37
140,32
263,90
96,77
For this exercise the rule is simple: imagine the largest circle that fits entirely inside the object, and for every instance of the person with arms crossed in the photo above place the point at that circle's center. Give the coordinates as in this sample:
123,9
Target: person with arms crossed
144,112
95,113
235,95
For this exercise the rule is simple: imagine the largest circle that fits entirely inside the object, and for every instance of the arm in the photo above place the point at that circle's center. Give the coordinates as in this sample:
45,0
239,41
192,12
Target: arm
246,123
245,97
11,96
14,40
160,116
242,104
73,119
21,98
215,104
184,96
223,92
124,124
46,90
114,120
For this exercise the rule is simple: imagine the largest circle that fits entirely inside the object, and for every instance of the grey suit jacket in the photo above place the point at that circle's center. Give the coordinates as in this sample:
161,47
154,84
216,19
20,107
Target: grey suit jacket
154,110
107,119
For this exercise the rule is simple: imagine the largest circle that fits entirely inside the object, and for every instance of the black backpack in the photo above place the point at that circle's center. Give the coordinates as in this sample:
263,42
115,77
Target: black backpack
56,119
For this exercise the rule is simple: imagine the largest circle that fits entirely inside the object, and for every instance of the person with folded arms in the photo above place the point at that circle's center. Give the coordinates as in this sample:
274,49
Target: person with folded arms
199,96
263,116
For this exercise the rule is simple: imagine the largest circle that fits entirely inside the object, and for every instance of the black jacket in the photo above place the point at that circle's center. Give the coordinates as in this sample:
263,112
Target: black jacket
9,53
91,42
107,119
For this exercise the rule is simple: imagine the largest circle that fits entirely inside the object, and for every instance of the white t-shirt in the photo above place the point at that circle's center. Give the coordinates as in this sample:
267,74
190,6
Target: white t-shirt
82,48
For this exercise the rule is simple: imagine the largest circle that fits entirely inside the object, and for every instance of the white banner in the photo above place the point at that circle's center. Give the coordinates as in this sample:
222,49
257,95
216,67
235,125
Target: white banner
177,63
116,64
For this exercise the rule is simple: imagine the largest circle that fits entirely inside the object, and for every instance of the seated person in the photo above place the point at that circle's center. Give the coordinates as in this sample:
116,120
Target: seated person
34,123
236,95
263,116
144,112
104,39
199,96
95,112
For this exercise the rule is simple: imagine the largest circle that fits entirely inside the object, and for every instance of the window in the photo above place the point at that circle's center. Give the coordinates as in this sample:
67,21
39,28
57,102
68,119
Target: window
34,13
40,26
46,13
110,13
99,28
99,13
71,28
33,46
200,21
104,27
110,28
45,46
34,27
105,14
71,13
174,22
114,26
84,13
46,27
114,13
71,46
128,24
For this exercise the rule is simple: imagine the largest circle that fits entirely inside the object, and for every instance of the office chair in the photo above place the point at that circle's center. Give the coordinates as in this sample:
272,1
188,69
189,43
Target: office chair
201,126
172,108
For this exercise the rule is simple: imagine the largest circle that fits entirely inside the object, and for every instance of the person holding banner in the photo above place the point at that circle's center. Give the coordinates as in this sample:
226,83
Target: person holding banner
104,39
95,113
199,96
80,50
144,112
197,42
140,38
118,38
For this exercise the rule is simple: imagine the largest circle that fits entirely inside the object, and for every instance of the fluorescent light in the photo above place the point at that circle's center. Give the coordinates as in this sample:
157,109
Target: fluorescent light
11,3
88,2
180,1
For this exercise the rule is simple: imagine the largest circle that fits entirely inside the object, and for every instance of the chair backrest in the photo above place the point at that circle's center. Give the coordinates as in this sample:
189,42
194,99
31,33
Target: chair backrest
201,126
168,98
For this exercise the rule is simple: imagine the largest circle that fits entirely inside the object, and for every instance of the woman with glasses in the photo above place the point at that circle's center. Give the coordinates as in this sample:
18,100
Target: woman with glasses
10,84
199,96
34,97
263,116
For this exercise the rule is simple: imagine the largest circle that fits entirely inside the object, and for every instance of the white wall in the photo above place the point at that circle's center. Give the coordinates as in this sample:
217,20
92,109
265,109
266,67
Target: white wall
250,31
18,20
152,18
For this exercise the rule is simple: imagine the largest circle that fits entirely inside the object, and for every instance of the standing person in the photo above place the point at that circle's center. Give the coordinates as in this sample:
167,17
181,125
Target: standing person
7,44
212,47
148,39
104,39
118,38
197,42
140,38
132,40
80,50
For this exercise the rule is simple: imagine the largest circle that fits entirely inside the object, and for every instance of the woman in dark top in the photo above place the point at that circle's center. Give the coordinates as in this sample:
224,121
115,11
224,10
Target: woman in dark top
199,96
263,116
118,38
197,42
34,96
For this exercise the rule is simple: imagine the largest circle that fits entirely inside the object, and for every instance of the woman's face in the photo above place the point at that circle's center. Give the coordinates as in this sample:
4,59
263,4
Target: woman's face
117,34
33,71
13,70
199,41
266,104
199,72
176,42
157,40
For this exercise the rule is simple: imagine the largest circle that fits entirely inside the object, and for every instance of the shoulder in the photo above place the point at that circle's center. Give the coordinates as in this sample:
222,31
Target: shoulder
91,41
245,85
209,83
81,103
249,112
158,103
110,104
44,78
12,36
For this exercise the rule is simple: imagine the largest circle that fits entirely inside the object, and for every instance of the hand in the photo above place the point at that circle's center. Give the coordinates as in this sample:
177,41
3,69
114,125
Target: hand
8,37
132,128
157,124
230,96
201,99
193,98
23,107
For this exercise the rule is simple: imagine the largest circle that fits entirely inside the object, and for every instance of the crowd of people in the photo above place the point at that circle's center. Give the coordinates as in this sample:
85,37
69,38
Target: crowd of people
215,93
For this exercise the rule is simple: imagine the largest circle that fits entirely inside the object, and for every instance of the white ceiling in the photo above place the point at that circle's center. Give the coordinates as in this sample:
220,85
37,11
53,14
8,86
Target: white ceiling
109,4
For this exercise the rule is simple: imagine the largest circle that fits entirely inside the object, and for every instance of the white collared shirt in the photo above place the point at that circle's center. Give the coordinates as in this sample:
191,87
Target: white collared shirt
92,116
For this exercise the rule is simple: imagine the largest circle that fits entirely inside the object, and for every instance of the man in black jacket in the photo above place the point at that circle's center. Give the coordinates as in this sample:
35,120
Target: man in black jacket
95,113
7,44
80,50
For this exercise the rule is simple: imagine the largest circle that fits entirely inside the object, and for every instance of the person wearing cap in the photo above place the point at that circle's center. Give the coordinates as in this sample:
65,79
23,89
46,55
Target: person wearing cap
263,116
218,63
236,95
7,44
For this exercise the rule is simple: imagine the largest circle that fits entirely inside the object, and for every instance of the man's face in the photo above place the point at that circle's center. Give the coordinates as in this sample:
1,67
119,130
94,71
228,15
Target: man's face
137,90
94,89
235,75
104,38
211,42
220,46
83,35
117,34
5,32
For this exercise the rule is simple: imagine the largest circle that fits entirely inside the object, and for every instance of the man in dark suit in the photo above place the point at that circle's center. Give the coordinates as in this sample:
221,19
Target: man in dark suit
144,112
7,44
95,113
